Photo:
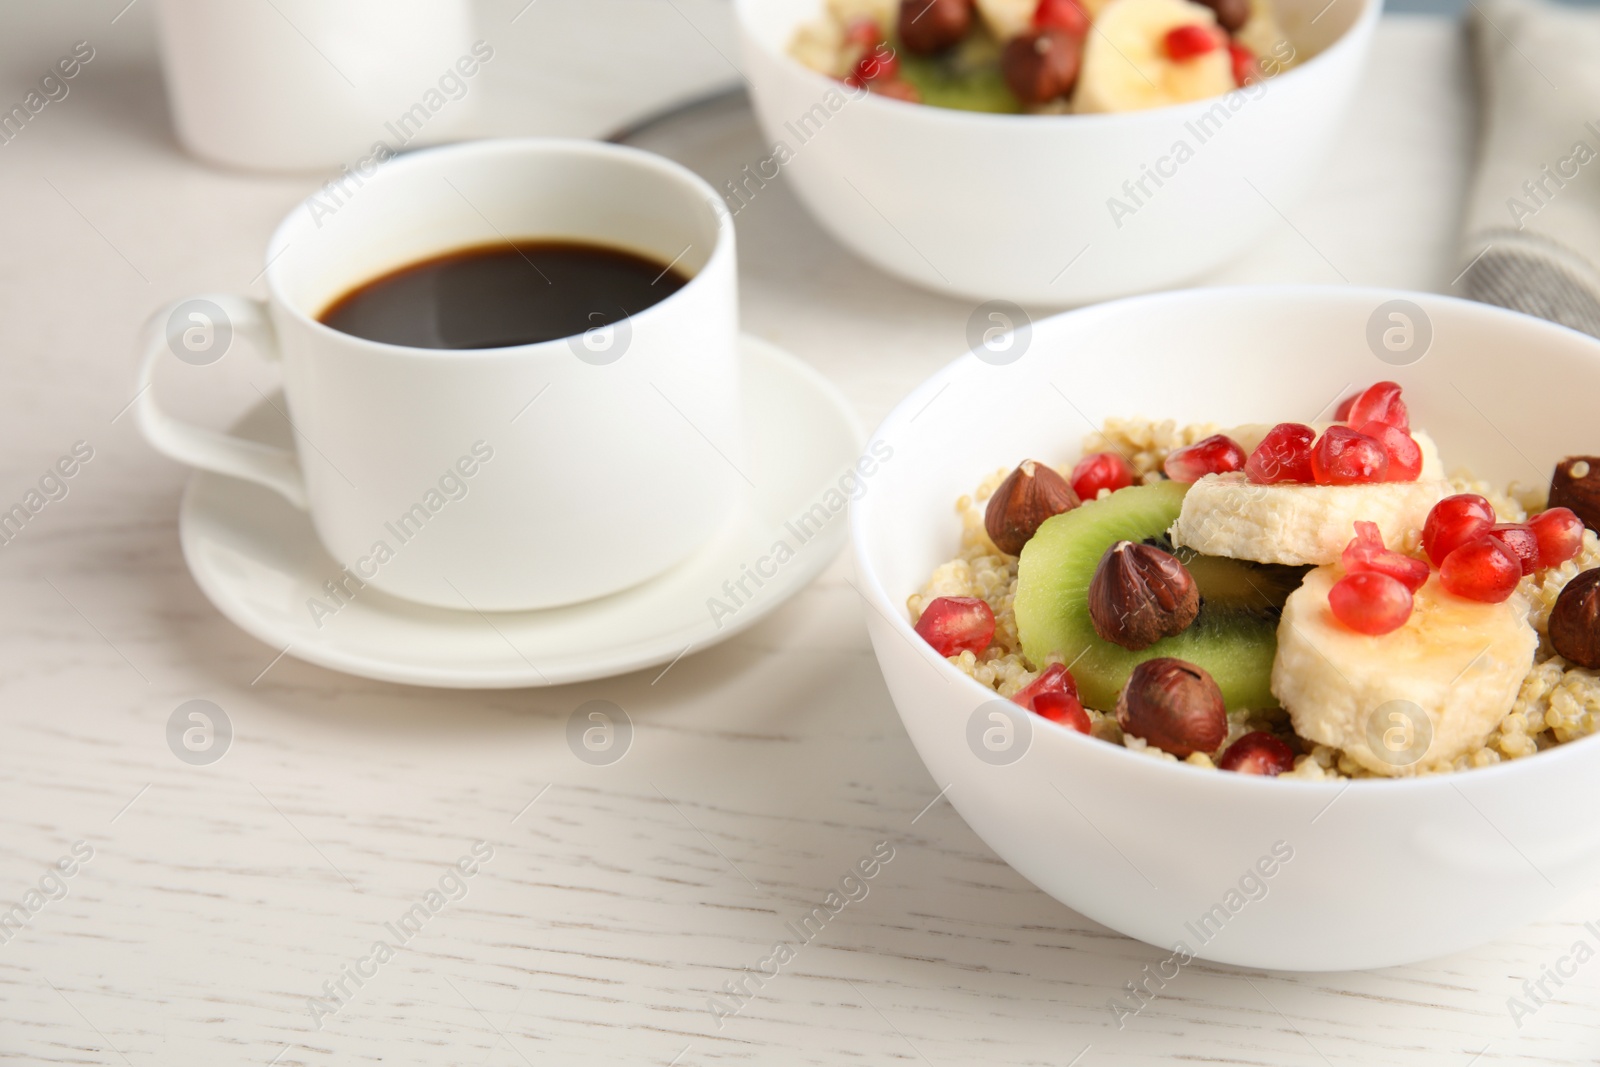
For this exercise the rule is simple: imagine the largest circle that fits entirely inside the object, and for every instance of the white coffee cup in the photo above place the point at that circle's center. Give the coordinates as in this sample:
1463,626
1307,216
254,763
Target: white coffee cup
489,479
309,84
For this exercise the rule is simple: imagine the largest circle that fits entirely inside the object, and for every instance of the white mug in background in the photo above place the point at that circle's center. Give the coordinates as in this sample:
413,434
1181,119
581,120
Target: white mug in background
495,479
296,85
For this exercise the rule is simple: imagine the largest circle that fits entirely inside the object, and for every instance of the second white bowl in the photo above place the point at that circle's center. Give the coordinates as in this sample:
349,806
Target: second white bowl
1059,209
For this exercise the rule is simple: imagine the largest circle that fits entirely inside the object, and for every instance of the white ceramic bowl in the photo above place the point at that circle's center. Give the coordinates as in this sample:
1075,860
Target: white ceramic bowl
1382,872
1018,207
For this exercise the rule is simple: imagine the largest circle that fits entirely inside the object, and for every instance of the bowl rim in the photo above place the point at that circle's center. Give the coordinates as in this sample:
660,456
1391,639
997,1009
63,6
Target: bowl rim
1355,36
871,588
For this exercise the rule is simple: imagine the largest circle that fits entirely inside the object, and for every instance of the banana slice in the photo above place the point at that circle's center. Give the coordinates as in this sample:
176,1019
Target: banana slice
884,12
1408,700
1227,515
1126,66
1007,18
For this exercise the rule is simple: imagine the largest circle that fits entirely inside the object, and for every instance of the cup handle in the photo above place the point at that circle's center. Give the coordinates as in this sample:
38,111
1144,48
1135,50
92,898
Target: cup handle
276,468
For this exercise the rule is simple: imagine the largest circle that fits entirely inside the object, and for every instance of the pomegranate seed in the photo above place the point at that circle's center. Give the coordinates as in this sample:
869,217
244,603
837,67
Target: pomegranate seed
897,88
1522,541
955,624
1066,15
1217,454
1342,413
1483,569
1560,534
1055,679
879,64
1284,455
1405,455
864,32
1380,403
1365,552
1258,752
1063,708
1453,522
1370,603
1188,42
1348,457
1054,695
1245,67
1103,470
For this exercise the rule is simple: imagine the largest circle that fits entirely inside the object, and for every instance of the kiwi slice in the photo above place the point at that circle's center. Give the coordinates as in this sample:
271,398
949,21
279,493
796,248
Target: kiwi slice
965,77
1235,636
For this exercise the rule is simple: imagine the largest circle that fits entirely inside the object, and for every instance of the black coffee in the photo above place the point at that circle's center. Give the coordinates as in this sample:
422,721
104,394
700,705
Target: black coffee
495,296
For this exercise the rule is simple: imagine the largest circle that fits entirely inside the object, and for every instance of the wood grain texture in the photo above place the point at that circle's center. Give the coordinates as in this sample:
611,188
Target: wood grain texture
620,899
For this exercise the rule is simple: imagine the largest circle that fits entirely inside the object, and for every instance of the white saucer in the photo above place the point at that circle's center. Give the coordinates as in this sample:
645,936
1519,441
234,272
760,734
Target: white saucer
259,561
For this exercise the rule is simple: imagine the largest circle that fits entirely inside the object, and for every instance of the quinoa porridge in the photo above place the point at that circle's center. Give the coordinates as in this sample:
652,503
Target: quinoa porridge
1048,57
1516,698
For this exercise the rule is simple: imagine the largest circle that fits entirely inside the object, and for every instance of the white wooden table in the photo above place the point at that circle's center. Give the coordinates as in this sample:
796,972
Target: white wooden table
618,900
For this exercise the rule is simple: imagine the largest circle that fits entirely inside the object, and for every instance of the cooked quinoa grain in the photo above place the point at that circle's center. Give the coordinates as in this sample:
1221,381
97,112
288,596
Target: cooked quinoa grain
1144,443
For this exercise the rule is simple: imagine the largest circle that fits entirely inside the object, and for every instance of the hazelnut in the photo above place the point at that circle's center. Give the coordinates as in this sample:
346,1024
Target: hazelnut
1030,494
1576,485
1043,65
1575,621
1231,14
1175,706
1141,594
928,26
